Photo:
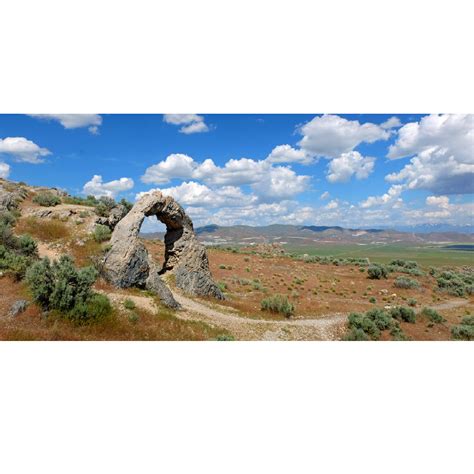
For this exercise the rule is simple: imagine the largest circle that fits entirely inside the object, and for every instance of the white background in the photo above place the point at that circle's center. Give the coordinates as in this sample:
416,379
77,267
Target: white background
236,407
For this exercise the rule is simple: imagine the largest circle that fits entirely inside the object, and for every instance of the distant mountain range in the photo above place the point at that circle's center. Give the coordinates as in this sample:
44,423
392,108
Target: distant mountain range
309,235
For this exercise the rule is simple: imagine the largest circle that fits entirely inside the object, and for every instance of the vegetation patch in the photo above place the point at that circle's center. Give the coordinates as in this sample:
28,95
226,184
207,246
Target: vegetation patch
456,283
47,199
47,230
432,315
406,283
377,271
369,326
278,304
61,287
101,233
465,330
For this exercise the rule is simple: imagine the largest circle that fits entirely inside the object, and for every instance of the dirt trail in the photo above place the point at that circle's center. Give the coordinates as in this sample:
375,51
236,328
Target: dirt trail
327,328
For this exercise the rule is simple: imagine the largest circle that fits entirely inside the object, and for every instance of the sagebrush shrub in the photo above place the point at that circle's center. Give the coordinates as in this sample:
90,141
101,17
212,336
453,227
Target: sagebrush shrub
47,199
403,314
278,304
376,272
432,315
406,283
61,286
465,330
101,233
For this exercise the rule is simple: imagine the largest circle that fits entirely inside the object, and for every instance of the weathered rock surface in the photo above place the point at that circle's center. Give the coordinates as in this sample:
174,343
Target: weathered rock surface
10,195
129,264
116,215
18,307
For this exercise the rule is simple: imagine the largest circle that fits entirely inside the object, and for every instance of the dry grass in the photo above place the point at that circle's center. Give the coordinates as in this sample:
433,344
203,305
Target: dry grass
47,230
123,325
86,254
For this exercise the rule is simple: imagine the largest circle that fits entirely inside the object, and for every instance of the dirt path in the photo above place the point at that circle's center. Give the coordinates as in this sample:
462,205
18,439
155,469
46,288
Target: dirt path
327,328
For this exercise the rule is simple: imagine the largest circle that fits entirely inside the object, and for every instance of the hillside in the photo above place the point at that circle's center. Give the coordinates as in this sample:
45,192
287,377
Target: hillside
309,235
269,293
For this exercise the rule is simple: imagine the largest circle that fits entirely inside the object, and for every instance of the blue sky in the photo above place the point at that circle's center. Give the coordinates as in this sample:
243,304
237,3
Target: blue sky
363,170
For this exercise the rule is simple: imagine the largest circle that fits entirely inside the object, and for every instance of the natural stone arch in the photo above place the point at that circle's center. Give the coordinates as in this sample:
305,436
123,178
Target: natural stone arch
128,263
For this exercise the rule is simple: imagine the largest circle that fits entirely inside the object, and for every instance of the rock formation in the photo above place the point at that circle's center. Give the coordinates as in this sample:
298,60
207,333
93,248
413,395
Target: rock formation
128,264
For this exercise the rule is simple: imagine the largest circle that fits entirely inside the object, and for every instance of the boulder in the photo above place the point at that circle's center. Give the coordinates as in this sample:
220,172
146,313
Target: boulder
128,263
18,307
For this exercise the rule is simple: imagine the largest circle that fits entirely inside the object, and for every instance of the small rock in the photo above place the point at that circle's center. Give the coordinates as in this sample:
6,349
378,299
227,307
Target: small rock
18,307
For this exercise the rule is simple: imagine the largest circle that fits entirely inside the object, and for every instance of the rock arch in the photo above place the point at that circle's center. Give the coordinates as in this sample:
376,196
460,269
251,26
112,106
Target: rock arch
128,263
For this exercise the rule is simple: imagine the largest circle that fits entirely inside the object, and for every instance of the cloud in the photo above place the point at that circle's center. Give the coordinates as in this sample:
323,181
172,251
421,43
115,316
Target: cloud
4,170
324,196
332,204
330,135
392,122
442,150
280,183
70,121
342,168
390,198
176,165
190,123
198,195
288,154
22,149
96,187
266,180
438,201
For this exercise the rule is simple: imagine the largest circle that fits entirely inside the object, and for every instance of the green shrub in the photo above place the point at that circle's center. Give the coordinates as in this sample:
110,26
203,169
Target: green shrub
222,285
465,330
27,245
367,325
222,266
104,206
432,315
376,272
278,304
356,334
406,283
372,300
403,314
47,199
61,286
101,233
457,284
411,302
408,264
129,304
381,319
16,265
133,318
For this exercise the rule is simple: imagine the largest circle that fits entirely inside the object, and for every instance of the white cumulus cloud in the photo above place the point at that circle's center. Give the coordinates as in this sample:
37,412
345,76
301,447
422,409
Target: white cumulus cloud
190,123
342,168
4,170
199,195
288,154
390,198
96,186
331,135
325,195
392,122
22,149
442,151
70,121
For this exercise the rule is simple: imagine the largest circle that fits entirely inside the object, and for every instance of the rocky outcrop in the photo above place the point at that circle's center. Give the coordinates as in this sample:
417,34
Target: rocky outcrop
10,195
128,263
116,215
